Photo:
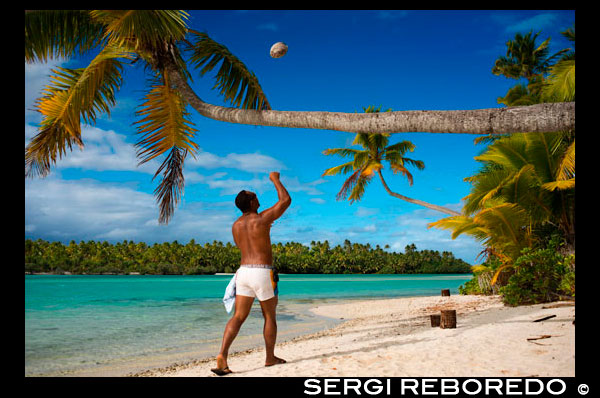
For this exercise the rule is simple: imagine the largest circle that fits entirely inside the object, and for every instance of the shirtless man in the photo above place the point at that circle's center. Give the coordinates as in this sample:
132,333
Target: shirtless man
255,277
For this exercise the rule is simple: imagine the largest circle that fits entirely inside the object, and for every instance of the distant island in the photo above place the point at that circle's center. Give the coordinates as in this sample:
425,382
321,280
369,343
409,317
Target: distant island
174,258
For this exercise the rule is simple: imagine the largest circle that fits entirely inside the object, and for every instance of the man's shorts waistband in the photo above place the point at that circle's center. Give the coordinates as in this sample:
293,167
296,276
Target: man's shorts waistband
257,266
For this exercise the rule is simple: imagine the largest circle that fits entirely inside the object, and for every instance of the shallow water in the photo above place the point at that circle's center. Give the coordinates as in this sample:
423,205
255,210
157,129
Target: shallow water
116,324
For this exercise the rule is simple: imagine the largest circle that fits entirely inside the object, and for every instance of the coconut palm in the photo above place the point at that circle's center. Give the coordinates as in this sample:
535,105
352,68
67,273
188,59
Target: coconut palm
159,39
524,59
520,189
368,161
127,36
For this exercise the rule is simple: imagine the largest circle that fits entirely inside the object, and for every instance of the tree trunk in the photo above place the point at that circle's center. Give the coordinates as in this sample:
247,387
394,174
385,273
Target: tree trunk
416,201
448,319
534,118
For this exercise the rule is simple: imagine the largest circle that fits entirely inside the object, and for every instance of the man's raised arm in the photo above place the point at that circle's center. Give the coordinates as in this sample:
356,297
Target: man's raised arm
282,204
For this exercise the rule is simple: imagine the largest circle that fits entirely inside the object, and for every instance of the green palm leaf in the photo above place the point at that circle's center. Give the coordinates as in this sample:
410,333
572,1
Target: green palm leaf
164,127
560,85
142,28
237,83
163,124
565,178
53,34
341,169
73,94
343,152
171,186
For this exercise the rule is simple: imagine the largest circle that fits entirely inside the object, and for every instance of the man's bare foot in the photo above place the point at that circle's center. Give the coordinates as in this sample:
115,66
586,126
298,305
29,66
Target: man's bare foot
222,369
274,361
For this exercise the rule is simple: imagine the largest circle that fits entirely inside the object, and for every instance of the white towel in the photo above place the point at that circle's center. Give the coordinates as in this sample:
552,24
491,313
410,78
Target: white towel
229,298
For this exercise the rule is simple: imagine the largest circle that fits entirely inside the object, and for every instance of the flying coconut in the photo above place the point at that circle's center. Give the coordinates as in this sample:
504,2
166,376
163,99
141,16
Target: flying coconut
278,49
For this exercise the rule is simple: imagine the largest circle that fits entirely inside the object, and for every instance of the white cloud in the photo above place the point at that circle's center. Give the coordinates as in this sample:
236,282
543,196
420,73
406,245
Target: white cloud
249,162
535,23
105,150
318,201
293,184
365,212
412,228
57,209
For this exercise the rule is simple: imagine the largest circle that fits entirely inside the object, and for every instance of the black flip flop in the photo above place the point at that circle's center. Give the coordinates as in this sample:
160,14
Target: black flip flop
221,372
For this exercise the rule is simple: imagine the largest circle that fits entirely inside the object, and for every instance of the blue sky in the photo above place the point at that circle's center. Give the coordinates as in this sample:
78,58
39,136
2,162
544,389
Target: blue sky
339,61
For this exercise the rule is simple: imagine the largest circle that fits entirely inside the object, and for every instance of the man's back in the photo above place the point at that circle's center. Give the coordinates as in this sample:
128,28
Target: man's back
251,234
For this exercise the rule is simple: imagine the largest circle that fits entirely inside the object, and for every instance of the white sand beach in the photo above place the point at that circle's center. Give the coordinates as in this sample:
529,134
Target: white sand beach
394,338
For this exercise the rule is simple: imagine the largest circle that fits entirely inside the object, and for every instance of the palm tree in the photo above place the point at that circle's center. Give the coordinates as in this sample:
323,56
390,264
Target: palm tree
521,188
368,161
158,38
525,60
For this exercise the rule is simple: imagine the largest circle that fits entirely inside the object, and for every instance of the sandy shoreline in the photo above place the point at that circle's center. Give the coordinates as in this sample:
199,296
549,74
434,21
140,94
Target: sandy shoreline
394,338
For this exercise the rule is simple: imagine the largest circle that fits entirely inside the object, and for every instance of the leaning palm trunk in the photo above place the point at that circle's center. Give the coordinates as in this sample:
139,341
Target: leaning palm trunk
534,118
416,201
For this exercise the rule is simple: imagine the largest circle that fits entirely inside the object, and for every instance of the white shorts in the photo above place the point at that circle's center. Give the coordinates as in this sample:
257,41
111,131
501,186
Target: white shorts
256,282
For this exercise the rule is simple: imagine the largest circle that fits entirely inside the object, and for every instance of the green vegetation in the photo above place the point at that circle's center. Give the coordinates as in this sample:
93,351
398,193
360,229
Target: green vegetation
173,258
370,160
522,201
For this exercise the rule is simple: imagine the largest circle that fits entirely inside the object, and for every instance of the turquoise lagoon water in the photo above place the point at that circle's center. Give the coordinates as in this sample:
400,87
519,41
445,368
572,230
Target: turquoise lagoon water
112,325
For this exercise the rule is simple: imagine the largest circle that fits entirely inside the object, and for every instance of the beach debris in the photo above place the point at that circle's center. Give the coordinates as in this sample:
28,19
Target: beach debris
572,304
545,336
435,320
544,318
445,292
278,49
448,319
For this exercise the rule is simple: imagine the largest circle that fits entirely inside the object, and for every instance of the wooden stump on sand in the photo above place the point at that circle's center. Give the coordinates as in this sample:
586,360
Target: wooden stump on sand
448,319
446,292
435,320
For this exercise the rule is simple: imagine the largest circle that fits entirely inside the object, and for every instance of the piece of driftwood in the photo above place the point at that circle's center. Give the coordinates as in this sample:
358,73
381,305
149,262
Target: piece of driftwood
435,320
446,292
448,319
545,336
544,318
572,304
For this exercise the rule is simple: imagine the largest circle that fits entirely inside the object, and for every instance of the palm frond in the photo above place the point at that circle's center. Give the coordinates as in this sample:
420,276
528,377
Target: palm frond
171,186
361,139
567,165
519,95
488,139
72,94
359,188
237,83
400,147
461,225
341,169
343,152
142,28
565,178
399,168
370,168
506,222
509,152
348,185
51,34
560,85
163,124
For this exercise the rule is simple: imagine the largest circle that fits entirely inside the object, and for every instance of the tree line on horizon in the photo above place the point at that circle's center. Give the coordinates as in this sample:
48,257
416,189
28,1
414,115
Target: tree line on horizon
174,258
